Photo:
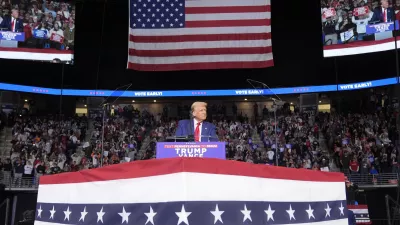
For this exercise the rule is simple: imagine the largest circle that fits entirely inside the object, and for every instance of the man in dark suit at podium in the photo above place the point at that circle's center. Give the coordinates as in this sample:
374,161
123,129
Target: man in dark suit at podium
383,13
197,126
12,23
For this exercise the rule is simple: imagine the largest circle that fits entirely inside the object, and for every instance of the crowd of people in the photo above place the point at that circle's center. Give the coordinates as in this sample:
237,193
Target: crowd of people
45,23
359,143
297,141
364,143
42,146
124,133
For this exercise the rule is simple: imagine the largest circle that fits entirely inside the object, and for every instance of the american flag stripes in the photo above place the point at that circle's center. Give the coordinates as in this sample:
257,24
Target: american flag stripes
199,34
361,213
192,191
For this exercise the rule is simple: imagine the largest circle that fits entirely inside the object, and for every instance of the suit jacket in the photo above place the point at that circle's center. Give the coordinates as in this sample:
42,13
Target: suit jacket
6,23
186,127
378,15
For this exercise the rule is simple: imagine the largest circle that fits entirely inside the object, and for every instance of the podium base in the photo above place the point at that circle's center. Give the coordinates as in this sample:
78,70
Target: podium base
8,44
383,35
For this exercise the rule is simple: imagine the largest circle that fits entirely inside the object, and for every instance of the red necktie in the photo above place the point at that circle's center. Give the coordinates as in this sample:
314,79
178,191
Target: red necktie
12,25
197,133
384,16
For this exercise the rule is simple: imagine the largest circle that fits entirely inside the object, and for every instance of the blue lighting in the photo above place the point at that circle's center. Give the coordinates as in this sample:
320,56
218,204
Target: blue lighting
193,93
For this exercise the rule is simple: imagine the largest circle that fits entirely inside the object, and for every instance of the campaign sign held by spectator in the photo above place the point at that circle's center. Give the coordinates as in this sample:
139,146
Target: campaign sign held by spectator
360,11
57,38
329,13
381,27
345,36
12,36
41,34
202,150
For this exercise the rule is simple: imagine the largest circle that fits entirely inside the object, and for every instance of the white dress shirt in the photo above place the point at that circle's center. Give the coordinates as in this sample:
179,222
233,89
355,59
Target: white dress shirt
200,127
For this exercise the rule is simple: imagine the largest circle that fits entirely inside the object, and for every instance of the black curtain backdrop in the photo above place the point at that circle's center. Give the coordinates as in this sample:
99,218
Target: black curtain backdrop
297,47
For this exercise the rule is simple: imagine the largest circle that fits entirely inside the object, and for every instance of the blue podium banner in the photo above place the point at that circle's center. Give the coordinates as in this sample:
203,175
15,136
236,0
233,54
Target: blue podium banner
40,34
12,36
382,27
191,149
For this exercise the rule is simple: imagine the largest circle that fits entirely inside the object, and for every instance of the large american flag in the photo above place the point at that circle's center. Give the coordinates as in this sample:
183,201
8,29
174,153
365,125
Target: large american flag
199,34
192,191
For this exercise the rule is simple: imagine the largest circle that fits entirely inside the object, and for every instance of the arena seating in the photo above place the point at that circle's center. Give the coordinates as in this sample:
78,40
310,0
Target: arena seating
43,146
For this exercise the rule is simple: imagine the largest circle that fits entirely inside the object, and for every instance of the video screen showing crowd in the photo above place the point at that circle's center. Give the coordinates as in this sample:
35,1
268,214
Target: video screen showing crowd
37,24
363,25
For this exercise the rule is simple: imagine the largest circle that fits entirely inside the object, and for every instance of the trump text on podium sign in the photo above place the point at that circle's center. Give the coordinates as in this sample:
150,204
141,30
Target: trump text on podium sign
203,150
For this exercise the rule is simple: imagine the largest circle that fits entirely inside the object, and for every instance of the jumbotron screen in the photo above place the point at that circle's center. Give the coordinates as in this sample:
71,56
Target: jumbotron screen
352,27
39,30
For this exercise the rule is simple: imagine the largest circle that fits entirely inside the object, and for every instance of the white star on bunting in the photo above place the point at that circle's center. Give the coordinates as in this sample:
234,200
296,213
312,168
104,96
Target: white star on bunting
52,212
328,211
291,213
124,215
246,213
67,213
100,215
341,208
150,216
183,216
217,214
40,212
83,214
270,213
310,212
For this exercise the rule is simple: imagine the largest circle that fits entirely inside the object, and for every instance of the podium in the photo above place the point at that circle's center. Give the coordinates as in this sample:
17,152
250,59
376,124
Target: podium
10,39
191,149
382,31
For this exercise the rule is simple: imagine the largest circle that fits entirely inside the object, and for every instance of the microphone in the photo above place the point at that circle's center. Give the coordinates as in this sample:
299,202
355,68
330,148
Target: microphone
206,136
191,131
116,93
277,101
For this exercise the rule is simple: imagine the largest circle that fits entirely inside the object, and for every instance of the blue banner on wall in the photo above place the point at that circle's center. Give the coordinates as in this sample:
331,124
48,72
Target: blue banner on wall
194,93
367,84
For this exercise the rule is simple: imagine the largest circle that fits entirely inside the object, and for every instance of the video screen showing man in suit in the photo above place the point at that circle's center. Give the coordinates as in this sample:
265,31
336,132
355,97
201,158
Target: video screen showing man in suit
197,126
48,28
383,14
362,25
12,23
